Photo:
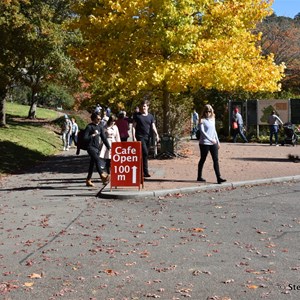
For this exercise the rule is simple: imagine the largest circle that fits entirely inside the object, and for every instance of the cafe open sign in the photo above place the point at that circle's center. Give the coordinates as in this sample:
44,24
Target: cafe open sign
126,163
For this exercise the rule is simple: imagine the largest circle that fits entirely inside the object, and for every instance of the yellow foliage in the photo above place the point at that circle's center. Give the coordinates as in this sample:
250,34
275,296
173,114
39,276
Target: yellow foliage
195,43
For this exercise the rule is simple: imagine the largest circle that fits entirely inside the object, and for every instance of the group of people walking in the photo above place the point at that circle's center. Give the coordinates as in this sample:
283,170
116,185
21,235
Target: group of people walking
100,139
102,132
69,131
100,136
238,127
209,141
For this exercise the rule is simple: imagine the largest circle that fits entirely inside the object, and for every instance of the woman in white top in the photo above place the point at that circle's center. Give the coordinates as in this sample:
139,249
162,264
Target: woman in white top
209,142
112,134
274,122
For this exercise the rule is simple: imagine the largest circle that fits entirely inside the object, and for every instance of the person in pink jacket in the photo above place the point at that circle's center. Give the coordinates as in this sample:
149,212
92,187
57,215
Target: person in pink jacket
123,126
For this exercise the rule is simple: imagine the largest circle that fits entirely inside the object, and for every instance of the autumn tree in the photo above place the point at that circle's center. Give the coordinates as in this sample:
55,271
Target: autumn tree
281,36
33,46
10,62
46,59
172,46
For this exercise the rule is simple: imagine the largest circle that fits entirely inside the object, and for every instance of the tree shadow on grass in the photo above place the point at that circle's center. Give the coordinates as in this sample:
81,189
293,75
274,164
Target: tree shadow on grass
16,159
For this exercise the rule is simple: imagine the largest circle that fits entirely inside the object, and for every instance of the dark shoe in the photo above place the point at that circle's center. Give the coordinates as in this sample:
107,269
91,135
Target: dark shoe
220,180
201,179
147,175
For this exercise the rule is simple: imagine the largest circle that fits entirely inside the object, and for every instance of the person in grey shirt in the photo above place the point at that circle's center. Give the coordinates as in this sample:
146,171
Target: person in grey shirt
274,122
237,117
209,142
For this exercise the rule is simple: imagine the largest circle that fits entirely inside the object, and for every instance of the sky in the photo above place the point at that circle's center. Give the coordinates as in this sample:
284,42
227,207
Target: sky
286,8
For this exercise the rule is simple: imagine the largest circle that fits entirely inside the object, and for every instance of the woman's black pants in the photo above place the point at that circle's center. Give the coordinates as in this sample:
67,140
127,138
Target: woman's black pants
95,160
145,151
214,151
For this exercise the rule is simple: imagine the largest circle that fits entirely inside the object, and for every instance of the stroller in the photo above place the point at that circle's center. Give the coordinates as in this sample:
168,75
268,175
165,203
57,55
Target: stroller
290,135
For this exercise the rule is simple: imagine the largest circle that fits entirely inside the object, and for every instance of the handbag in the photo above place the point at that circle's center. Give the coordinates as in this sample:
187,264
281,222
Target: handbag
234,125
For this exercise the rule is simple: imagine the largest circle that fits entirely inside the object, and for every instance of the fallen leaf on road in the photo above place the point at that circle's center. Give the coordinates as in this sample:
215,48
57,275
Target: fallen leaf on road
174,229
152,296
228,281
271,245
252,286
196,272
218,298
28,284
130,264
198,229
35,276
253,271
111,272
6,287
144,254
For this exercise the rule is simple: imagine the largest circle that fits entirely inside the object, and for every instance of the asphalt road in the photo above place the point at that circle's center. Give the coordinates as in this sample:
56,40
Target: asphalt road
231,243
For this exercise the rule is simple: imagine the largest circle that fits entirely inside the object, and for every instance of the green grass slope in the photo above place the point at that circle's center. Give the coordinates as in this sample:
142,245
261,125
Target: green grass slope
25,142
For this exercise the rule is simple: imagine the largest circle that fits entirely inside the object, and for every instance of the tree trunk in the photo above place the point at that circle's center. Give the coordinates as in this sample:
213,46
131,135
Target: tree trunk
33,104
32,111
166,111
2,107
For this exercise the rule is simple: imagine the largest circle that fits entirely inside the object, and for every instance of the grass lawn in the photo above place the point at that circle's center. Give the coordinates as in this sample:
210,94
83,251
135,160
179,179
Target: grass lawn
17,110
24,142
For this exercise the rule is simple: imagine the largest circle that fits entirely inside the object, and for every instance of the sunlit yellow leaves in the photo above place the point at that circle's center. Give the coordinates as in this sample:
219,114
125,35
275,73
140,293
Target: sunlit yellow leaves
195,43
115,5
92,18
138,62
158,77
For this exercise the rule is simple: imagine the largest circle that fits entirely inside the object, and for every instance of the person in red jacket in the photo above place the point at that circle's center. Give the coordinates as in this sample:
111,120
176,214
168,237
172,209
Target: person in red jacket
123,126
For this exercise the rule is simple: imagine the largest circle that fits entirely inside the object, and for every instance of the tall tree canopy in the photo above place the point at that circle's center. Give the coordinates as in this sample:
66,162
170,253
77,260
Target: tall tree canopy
32,45
175,45
281,36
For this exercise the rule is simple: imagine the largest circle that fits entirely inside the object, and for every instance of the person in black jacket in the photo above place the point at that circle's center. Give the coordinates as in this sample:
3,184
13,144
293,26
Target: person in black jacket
142,127
92,135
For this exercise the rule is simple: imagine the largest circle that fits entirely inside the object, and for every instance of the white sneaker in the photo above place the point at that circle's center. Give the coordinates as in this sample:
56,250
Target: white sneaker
64,149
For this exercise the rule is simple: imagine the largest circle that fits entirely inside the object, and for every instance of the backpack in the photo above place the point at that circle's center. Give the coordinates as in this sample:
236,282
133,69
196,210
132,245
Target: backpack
82,144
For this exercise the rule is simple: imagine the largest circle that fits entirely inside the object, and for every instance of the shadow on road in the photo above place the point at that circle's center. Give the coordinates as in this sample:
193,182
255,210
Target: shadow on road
270,159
